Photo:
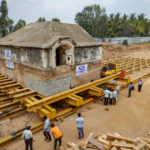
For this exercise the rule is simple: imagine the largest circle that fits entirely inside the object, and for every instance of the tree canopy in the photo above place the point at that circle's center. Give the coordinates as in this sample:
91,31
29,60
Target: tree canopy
98,24
21,23
55,20
41,19
4,18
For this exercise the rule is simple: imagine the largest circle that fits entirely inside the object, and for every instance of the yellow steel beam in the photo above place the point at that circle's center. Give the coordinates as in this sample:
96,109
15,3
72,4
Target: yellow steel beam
5,80
13,113
38,126
8,105
8,87
24,95
64,112
95,91
18,91
7,83
75,100
62,95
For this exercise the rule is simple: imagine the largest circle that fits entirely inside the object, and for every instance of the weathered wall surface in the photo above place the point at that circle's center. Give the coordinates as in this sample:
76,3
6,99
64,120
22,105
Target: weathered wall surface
35,58
50,82
33,69
49,87
87,54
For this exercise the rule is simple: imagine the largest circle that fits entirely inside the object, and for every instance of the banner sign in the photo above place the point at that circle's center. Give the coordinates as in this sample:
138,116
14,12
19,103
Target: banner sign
8,54
9,64
82,69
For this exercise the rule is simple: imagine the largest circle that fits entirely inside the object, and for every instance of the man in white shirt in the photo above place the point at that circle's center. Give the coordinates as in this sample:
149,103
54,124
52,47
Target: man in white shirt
110,97
140,83
47,129
106,97
117,89
114,97
27,136
80,123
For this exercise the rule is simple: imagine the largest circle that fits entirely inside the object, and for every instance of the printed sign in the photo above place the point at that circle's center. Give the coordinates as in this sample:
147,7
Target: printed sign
8,54
82,69
9,64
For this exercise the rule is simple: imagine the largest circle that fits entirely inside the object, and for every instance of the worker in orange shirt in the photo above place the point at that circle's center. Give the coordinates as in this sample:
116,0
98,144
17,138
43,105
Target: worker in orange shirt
56,134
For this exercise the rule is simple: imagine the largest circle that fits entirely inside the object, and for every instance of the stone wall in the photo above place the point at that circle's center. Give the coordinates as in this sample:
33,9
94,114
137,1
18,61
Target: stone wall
87,54
49,87
32,57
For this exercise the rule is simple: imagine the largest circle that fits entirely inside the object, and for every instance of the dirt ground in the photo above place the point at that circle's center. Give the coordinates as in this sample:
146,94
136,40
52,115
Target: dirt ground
114,50
129,117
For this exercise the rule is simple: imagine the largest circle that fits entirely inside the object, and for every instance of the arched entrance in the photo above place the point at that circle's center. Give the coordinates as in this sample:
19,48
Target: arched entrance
63,54
60,56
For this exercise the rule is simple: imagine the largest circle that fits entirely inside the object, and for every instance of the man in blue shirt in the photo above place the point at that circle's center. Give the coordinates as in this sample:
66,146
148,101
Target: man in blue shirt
47,129
80,123
131,87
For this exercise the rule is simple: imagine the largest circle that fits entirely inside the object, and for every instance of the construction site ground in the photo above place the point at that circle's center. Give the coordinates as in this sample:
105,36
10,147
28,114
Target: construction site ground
129,117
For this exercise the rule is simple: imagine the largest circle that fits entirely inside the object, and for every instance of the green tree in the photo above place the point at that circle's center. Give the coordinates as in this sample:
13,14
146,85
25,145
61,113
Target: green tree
10,25
98,24
4,18
41,19
55,20
21,23
94,20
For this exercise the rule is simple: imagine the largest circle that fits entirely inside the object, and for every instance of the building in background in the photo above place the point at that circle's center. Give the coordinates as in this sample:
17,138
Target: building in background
49,57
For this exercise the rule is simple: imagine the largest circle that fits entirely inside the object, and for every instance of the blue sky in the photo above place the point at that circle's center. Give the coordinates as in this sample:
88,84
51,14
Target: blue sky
65,10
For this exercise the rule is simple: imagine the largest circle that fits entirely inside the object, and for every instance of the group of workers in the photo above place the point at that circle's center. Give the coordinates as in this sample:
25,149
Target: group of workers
110,97
51,129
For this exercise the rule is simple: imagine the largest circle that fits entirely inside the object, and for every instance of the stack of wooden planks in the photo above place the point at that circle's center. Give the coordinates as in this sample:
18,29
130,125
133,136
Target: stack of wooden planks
111,142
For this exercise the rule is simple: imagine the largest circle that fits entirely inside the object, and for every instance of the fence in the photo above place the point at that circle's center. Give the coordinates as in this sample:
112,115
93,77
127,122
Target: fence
120,40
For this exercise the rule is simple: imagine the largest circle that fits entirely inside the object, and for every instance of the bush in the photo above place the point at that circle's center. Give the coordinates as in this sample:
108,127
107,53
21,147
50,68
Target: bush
125,42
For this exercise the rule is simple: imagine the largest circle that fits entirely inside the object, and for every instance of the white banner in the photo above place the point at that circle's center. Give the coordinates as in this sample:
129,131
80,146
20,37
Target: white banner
82,69
9,64
8,54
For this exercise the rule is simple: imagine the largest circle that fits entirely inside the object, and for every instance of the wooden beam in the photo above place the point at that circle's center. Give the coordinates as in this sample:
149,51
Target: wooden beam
111,136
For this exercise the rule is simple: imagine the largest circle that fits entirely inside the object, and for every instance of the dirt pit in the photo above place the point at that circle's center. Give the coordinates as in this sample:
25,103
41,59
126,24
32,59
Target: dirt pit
129,117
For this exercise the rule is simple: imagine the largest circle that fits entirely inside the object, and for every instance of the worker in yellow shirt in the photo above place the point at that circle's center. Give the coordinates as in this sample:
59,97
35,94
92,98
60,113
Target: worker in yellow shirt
56,134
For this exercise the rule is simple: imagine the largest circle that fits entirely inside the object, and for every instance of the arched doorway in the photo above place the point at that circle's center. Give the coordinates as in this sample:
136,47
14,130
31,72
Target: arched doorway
60,56
63,55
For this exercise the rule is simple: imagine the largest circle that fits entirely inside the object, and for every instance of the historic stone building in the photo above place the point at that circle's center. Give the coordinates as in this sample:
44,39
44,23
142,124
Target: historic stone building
49,57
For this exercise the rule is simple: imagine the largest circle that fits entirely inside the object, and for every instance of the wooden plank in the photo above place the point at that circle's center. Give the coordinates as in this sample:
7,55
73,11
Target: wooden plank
125,145
122,148
147,140
86,142
140,146
113,148
148,145
96,143
103,141
111,136
72,145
